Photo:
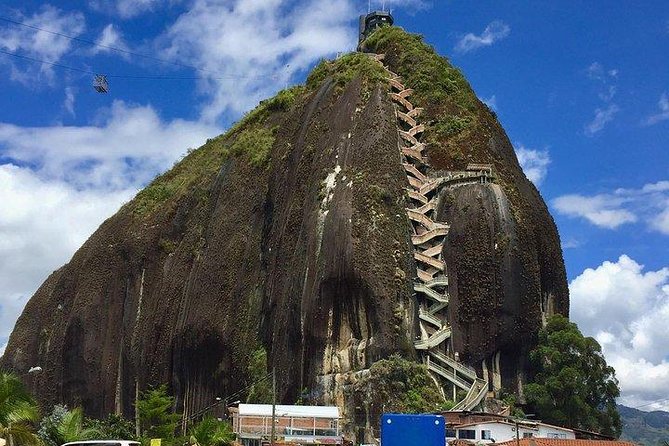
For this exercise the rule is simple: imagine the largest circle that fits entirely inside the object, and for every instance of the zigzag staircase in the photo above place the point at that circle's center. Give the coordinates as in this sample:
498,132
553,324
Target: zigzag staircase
431,284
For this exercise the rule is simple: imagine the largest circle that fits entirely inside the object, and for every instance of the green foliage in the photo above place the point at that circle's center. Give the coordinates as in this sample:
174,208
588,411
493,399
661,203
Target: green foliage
114,427
73,428
254,143
451,125
211,432
347,68
402,386
261,385
573,386
156,417
18,412
48,426
281,102
430,75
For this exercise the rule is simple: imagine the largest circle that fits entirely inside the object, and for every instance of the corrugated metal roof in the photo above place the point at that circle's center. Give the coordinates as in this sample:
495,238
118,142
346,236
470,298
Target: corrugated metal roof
265,410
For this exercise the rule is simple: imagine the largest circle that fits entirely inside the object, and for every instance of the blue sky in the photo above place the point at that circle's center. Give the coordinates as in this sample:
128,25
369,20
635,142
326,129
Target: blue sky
582,90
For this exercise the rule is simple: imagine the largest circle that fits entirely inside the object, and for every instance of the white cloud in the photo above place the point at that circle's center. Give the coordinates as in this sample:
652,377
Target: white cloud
68,104
626,308
492,33
39,44
605,113
248,63
602,117
663,114
42,223
649,204
128,9
600,210
109,38
534,163
129,146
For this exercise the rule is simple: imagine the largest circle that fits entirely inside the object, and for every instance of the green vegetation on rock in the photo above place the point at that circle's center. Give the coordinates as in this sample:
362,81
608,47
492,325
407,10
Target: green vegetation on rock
347,68
261,386
255,144
573,386
399,385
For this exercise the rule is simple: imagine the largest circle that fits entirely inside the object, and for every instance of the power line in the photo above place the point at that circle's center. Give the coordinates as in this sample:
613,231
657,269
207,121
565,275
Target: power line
108,47
652,402
32,59
124,76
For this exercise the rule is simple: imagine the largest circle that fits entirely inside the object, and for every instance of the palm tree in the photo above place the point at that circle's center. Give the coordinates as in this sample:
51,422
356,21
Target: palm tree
18,412
72,428
211,432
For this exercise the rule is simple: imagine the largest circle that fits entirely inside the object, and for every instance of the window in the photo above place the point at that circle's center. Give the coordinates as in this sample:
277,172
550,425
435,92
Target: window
556,435
467,434
485,435
450,433
528,435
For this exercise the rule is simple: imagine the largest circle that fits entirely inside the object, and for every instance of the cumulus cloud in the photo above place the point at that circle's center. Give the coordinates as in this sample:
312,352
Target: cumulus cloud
42,223
248,63
607,111
649,204
39,44
128,146
662,114
626,308
492,33
534,163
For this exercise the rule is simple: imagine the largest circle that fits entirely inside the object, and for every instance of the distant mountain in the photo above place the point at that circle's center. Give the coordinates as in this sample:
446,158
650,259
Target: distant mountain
646,428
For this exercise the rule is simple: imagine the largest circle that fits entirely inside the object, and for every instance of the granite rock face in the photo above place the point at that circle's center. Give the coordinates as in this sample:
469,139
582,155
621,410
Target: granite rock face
306,253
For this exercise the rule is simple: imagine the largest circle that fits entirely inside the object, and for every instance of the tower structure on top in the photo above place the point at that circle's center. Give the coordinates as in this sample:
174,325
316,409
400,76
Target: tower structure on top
372,21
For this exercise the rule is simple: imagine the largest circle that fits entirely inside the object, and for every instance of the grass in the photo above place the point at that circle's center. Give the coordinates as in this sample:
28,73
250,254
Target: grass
347,68
255,144
431,76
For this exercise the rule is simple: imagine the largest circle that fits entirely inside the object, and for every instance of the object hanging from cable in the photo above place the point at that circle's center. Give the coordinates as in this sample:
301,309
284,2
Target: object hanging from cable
100,83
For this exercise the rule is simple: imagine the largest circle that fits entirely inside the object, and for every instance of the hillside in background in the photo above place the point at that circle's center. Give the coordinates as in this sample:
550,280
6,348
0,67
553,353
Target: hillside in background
646,428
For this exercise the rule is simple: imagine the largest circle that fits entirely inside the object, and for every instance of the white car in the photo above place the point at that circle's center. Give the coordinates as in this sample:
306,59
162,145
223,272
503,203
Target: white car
103,443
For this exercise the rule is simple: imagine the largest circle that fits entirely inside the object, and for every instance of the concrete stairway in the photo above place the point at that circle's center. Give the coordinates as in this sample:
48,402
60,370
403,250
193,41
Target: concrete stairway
428,237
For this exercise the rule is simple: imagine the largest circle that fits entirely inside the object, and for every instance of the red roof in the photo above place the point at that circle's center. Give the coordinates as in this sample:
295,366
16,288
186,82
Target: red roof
562,442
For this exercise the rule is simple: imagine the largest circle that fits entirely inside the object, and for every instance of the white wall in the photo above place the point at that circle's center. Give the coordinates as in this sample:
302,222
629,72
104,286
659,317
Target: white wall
503,432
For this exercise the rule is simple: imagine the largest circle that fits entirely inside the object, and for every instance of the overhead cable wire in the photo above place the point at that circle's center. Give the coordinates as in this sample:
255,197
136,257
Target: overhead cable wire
652,402
108,47
124,76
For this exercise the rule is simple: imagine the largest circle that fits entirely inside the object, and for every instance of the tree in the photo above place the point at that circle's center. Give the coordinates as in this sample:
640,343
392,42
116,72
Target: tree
261,384
114,427
155,413
211,432
72,427
18,412
572,385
